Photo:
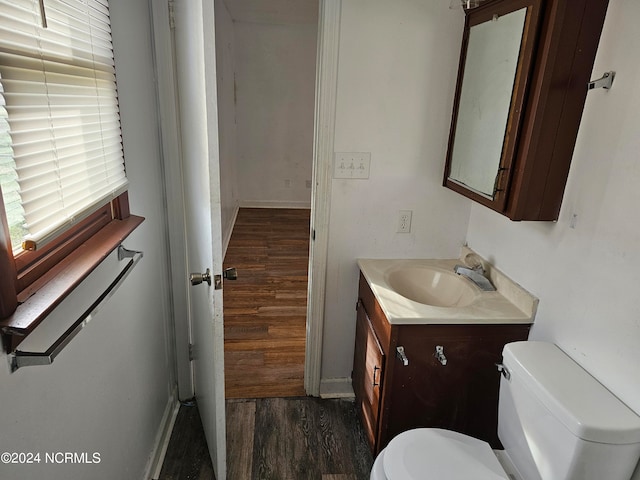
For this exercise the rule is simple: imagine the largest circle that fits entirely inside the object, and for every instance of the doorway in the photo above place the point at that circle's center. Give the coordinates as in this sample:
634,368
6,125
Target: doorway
325,103
326,84
266,70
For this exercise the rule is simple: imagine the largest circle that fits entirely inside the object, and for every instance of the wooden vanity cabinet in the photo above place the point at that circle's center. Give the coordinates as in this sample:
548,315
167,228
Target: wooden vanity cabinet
461,395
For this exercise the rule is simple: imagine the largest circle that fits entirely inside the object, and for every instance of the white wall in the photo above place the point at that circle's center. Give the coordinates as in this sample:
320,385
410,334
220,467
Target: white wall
275,87
588,277
108,390
396,80
225,68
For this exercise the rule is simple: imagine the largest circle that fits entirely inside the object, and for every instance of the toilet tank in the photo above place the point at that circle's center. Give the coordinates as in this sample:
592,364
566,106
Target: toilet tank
556,422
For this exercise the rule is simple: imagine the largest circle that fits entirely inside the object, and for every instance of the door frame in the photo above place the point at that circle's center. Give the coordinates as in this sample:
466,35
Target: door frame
169,133
323,145
324,132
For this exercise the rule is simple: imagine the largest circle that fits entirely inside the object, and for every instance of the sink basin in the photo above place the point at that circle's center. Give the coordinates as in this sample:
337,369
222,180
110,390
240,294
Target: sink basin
431,286
413,291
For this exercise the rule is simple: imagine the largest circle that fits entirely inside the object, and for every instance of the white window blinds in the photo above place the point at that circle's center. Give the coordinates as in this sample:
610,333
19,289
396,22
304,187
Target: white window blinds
59,93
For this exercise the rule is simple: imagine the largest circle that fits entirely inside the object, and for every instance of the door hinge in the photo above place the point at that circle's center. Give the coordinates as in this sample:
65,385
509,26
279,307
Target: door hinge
191,352
172,14
313,234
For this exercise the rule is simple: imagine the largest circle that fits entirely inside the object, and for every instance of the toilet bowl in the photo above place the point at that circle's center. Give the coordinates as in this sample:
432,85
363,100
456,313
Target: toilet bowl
427,453
555,421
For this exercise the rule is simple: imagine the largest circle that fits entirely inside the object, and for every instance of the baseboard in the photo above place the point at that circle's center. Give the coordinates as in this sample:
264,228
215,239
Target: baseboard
274,204
336,388
163,436
229,231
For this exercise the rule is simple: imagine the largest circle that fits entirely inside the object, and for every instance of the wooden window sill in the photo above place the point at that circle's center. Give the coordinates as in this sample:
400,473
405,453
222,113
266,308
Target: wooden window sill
62,279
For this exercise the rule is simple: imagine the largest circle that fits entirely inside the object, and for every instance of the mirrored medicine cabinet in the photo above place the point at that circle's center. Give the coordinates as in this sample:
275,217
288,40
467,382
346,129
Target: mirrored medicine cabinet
522,83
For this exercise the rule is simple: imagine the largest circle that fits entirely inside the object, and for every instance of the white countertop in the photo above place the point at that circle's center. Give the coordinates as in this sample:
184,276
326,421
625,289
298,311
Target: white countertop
510,303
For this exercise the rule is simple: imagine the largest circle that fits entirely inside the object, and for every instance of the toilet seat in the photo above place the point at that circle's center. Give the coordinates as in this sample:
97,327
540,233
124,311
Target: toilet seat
426,453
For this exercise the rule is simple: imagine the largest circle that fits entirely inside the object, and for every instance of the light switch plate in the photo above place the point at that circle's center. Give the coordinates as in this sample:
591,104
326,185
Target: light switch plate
354,165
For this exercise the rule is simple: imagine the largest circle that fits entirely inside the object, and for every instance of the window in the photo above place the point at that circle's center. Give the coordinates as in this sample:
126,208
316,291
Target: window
61,159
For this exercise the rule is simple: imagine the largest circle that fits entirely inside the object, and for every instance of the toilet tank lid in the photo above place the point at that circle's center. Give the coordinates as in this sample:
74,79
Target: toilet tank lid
573,396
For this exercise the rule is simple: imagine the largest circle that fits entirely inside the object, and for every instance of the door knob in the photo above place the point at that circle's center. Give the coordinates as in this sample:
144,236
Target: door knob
198,278
230,273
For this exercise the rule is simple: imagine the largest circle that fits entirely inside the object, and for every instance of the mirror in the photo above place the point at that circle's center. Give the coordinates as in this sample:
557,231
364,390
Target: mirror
489,74
494,68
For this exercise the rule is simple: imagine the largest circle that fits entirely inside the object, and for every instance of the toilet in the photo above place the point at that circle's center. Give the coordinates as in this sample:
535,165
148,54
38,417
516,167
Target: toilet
556,422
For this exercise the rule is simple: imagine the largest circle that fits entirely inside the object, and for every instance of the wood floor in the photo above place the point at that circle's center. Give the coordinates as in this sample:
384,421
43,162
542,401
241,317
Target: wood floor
265,308
300,438
187,456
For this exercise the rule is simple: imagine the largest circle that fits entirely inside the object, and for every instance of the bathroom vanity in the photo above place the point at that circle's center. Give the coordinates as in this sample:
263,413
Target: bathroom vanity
425,365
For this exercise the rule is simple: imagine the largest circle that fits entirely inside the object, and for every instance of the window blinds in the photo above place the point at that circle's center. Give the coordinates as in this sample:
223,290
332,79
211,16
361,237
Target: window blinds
59,92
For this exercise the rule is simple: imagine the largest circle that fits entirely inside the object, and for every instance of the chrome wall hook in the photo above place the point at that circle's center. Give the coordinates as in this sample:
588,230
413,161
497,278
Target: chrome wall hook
604,82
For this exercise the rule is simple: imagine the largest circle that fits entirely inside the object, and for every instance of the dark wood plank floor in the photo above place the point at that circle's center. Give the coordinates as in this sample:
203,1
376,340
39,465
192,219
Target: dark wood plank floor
299,438
187,456
265,308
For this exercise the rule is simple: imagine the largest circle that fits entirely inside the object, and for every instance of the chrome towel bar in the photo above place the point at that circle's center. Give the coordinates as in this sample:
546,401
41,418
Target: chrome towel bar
19,359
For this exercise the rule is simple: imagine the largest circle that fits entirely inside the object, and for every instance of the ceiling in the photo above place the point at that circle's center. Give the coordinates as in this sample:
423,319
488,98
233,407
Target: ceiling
273,11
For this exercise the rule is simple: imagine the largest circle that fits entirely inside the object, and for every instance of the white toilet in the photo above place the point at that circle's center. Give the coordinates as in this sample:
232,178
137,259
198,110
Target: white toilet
556,422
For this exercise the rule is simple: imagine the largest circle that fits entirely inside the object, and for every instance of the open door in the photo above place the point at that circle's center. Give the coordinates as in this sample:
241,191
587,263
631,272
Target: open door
194,38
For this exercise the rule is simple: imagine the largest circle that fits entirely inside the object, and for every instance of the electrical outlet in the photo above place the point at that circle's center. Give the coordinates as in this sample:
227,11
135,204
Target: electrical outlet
404,221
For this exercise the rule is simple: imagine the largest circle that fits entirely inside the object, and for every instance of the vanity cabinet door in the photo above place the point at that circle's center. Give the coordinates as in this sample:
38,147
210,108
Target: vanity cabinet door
462,393
425,392
368,370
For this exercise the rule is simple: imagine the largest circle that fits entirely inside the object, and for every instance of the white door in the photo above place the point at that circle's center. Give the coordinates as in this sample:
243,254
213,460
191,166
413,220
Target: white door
197,99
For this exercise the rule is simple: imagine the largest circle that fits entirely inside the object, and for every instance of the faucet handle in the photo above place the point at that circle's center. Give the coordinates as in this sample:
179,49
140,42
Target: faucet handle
474,262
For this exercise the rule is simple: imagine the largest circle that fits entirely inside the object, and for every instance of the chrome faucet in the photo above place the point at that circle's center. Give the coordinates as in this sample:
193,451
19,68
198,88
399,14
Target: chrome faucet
476,275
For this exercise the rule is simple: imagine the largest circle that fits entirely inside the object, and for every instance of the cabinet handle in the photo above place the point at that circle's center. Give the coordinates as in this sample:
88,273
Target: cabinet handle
375,371
401,355
440,354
